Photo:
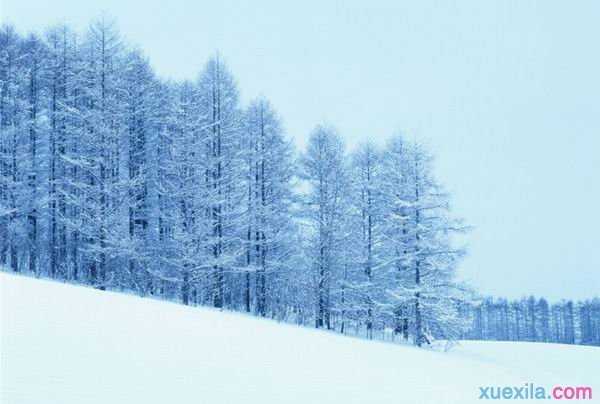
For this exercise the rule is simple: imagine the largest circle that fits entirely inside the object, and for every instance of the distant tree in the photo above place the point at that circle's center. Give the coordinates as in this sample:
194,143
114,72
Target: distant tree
530,318
543,314
569,323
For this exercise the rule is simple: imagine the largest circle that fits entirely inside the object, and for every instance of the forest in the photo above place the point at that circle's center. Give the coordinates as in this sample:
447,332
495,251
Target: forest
113,177
534,320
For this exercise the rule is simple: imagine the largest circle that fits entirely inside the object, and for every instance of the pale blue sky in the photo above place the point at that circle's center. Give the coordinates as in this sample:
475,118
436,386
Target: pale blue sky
506,93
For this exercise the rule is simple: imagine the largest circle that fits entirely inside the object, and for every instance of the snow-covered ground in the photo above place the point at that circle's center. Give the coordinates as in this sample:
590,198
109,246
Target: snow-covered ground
73,345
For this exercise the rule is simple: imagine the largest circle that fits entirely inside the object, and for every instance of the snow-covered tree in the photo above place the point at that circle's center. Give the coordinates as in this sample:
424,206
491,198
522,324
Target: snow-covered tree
324,171
362,281
269,226
220,128
12,128
419,237
142,122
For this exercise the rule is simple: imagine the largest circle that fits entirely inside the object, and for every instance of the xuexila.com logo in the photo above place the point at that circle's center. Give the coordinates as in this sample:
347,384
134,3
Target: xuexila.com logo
530,392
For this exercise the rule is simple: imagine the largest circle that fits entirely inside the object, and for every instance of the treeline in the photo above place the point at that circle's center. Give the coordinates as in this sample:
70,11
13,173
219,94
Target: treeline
114,178
535,320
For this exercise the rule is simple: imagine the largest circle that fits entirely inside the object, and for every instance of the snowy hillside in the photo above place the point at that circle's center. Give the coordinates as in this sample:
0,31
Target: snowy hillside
67,344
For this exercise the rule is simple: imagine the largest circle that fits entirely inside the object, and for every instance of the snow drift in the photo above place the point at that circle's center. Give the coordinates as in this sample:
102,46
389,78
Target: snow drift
67,344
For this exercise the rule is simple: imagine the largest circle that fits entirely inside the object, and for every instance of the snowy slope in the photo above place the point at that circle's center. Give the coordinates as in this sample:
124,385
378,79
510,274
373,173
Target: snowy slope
67,344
